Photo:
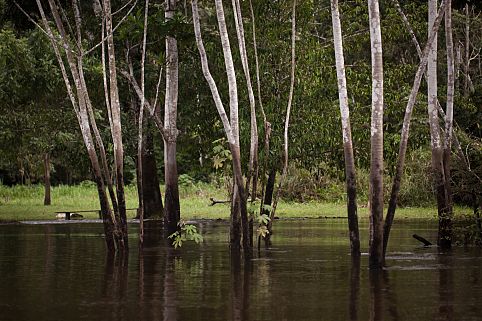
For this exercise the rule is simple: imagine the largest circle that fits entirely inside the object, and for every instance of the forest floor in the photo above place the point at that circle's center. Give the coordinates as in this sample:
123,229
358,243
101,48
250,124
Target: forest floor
26,203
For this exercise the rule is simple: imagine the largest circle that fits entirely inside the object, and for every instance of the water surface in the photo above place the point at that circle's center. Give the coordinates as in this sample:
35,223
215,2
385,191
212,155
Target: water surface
61,272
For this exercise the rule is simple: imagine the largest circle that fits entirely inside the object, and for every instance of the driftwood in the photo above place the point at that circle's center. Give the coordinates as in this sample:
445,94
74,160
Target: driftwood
214,201
421,239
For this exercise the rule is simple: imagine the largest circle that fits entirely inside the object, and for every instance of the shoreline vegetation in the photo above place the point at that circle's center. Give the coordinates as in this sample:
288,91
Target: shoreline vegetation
21,203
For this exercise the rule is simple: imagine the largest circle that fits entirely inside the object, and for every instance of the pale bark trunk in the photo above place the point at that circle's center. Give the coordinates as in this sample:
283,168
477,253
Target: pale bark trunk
376,141
266,124
458,61
435,140
287,118
81,103
446,228
392,204
171,202
82,117
227,124
253,150
234,121
140,133
350,170
116,128
47,198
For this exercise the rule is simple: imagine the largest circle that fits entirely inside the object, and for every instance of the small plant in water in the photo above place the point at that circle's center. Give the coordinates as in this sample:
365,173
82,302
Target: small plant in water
186,232
262,219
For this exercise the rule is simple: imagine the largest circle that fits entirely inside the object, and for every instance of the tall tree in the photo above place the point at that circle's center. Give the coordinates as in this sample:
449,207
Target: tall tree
435,139
449,115
231,125
115,223
253,149
287,118
392,204
376,141
350,170
172,207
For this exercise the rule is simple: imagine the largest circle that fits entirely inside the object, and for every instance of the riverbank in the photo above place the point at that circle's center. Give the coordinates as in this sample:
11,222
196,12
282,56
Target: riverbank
22,203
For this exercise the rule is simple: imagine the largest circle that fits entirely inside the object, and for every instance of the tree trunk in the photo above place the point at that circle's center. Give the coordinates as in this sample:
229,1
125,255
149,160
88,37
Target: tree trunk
234,122
435,141
447,219
140,132
172,207
350,170
230,125
171,202
152,193
116,127
288,113
392,204
78,101
376,141
47,199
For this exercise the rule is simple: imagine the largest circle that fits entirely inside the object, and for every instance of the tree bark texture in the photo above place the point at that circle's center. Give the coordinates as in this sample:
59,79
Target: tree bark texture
449,115
435,139
230,125
376,141
253,149
114,235
116,126
392,204
171,202
47,198
350,170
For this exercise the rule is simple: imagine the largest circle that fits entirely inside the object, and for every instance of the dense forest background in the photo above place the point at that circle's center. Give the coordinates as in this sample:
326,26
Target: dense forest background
36,118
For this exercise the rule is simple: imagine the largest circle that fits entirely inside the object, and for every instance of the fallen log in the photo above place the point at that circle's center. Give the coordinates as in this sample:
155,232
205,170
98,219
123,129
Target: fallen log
421,239
214,202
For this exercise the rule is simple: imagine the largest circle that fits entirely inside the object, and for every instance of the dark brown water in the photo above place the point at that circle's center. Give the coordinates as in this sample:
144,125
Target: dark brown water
60,272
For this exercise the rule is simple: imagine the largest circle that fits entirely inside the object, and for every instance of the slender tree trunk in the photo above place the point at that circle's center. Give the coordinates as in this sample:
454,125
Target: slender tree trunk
447,219
350,170
287,118
234,121
79,105
140,132
435,140
230,130
116,128
376,141
47,199
172,207
392,204
253,150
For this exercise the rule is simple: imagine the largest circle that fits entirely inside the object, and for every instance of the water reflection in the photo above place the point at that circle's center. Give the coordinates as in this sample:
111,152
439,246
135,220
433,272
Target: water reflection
61,273
446,287
240,287
114,289
354,288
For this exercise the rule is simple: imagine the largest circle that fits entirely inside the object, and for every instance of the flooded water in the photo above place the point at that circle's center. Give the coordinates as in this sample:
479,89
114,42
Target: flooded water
61,272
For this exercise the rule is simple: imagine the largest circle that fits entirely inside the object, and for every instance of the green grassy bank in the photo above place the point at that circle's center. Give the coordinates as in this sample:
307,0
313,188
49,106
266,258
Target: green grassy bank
26,203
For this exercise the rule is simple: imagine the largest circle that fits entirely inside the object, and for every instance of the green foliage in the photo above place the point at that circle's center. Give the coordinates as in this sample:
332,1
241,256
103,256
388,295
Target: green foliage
220,154
186,232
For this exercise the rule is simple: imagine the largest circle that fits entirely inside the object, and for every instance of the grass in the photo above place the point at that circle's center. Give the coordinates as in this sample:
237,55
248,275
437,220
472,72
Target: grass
22,203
